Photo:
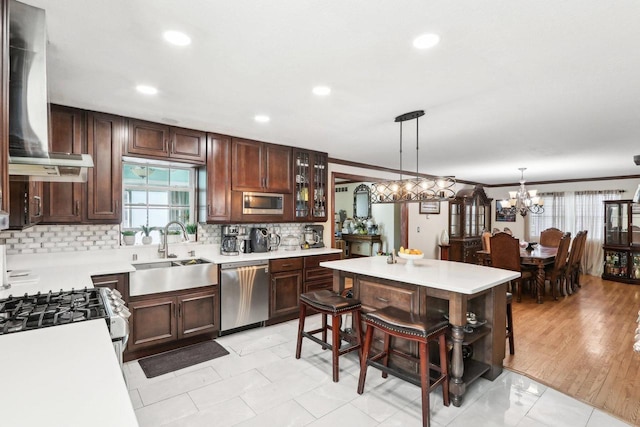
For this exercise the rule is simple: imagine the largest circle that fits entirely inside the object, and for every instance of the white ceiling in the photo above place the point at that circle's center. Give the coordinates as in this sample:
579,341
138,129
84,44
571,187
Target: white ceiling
551,85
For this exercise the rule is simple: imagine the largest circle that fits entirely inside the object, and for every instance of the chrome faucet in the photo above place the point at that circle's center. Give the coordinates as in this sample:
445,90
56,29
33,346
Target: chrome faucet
163,248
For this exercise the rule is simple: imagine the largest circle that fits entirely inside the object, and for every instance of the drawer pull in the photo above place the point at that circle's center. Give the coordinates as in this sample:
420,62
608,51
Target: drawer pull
382,299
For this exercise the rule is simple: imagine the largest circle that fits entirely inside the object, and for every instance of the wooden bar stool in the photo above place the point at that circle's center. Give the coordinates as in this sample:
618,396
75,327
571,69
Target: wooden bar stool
328,303
394,322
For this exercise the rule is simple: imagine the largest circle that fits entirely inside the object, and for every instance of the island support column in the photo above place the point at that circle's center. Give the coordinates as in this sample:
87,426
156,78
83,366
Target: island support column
457,319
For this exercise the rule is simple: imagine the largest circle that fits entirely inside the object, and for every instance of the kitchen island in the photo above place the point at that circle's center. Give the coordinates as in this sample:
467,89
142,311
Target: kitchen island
438,289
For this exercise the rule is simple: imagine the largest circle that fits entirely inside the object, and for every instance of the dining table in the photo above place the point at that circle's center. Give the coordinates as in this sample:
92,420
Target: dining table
539,257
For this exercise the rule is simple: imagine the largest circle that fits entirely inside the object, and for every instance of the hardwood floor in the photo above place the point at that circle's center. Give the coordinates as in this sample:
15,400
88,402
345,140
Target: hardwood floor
582,345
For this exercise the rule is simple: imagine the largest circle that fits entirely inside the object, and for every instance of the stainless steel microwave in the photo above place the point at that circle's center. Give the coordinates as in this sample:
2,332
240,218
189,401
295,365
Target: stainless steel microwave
262,203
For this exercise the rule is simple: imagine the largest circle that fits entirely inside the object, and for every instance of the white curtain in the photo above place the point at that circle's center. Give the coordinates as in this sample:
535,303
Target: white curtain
589,215
553,216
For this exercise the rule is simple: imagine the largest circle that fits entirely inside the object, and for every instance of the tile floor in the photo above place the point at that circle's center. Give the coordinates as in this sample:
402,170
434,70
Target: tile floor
260,383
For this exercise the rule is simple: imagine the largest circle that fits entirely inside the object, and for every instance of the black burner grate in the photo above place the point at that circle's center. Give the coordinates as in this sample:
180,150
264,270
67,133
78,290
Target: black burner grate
40,310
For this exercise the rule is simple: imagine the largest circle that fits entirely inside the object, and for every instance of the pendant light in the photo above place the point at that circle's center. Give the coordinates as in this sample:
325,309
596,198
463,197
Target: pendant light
418,189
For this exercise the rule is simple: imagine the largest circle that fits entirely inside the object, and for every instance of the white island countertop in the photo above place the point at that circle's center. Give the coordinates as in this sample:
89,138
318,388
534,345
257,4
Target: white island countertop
65,375
446,275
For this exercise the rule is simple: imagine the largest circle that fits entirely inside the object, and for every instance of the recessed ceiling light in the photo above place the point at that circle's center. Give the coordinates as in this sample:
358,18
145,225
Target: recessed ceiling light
261,118
177,38
426,41
147,90
322,90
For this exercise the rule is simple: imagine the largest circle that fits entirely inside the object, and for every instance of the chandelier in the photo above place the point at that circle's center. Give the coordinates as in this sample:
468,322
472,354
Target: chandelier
522,201
418,189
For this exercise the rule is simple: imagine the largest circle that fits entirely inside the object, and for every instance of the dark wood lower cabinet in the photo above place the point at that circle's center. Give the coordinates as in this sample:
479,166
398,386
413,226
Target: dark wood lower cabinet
285,293
163,322
119,282
315,277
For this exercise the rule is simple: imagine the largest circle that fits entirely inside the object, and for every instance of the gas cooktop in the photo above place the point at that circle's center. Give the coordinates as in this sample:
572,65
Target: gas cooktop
27,312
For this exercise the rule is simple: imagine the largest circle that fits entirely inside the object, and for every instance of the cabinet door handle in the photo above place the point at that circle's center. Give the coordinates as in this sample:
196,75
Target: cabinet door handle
180,310
209,209
77,207
38,205
117,203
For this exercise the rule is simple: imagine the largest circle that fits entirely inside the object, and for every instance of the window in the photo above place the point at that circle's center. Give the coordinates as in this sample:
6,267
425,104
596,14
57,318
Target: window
573,212
553,215
155,195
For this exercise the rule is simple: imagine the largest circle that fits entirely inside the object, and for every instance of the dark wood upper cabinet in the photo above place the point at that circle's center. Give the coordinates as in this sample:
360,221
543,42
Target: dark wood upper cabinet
26,204
155,140
105,137
189,145
64,201
218,179
148,139
311,170
259,166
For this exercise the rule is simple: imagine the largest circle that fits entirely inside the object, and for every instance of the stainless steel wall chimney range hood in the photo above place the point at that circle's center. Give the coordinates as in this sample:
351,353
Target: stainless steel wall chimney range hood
28,109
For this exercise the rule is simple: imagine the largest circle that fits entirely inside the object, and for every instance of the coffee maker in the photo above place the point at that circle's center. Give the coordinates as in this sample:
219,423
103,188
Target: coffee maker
312,236
229,244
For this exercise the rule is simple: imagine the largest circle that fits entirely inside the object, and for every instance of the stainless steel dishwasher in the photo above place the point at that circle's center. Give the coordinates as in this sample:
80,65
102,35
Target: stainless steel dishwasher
244,293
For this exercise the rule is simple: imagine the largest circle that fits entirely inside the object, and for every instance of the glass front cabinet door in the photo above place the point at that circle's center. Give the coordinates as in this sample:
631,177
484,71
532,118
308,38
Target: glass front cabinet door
621,248
311,172
469,216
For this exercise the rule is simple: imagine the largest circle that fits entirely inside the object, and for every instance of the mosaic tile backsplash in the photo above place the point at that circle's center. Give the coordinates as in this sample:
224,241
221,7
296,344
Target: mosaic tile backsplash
71,238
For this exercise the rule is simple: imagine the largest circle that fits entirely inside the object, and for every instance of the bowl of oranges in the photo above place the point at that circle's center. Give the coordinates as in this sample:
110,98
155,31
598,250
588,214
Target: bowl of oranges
410,254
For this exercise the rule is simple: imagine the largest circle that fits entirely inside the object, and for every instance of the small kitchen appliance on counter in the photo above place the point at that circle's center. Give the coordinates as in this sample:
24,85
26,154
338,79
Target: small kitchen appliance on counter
230,245
259,240
312,236
274,239
290,243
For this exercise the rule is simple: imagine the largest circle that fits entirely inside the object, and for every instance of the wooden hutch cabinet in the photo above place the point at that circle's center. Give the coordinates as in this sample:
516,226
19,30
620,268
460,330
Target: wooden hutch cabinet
310,168
469,216
621,241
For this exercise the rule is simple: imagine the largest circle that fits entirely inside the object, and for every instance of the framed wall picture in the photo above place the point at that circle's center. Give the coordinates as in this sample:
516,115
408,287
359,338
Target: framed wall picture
429,207
504,216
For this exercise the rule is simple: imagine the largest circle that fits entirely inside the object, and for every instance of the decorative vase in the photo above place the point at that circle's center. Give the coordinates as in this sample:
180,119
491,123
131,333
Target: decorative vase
444,237
192,237
129,240
146,240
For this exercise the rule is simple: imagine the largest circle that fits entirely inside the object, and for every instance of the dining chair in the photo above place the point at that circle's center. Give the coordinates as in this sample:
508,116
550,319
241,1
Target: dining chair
508,231
572,273
505,254
551,237
556,273
486,241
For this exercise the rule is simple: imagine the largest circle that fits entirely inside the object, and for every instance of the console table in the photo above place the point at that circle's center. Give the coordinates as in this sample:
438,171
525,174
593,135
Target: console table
362,238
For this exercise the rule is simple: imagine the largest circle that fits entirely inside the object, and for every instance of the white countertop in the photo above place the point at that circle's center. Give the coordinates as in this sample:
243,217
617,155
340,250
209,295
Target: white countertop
55,271
446,275
63,376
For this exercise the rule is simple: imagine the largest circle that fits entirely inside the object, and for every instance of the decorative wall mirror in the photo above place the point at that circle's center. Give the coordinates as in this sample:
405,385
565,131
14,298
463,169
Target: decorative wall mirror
362,202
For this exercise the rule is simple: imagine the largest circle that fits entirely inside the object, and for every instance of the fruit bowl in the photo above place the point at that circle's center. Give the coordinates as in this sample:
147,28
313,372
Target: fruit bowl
410,257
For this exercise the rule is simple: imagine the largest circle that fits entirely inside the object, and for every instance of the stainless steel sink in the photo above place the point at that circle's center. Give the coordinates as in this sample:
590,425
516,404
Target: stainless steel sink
171,275
170,263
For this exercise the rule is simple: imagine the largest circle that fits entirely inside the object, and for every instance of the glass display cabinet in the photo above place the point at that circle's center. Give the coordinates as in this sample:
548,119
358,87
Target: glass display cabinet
621,241
469,216
310,168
